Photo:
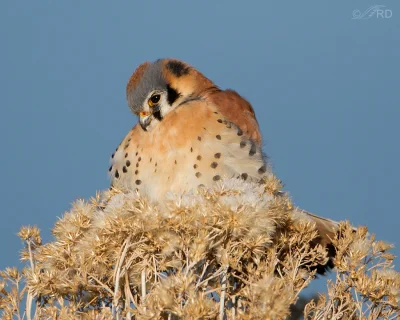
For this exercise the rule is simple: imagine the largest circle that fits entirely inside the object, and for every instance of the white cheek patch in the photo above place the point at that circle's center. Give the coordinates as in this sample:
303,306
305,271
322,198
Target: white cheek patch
165,108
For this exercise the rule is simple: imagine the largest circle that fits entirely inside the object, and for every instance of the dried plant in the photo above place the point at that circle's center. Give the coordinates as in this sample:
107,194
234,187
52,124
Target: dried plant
235,251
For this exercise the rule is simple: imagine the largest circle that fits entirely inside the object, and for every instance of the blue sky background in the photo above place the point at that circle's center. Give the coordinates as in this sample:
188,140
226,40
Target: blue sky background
325,89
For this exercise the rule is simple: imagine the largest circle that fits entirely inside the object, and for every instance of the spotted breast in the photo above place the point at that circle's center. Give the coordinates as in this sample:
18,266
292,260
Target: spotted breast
196,145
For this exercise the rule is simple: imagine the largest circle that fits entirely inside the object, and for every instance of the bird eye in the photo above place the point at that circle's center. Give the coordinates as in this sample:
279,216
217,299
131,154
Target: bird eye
154,100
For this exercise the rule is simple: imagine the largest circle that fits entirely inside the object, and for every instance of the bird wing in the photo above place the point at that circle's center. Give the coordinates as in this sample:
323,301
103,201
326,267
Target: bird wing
239,111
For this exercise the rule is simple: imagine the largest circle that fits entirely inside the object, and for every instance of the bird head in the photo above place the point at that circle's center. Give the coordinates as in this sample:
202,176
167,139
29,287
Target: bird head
156,88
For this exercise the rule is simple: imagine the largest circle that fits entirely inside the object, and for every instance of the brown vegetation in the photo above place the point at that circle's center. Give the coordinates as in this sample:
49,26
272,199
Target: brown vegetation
235,251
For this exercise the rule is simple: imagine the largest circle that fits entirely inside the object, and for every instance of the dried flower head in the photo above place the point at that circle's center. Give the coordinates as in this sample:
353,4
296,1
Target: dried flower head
239,250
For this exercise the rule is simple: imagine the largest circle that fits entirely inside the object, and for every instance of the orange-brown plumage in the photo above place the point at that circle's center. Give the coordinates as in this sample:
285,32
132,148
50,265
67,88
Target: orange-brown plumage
233,106
191,81
237,110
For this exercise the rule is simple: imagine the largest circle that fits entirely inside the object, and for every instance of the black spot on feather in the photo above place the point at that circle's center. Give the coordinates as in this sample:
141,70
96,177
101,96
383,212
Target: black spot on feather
172,95
253,150
177,68
262,169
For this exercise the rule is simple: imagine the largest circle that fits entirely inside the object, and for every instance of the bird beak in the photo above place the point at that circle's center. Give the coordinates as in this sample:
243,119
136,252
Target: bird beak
145,119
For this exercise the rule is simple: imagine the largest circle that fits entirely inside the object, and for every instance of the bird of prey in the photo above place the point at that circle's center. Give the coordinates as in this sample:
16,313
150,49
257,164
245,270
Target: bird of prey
190,133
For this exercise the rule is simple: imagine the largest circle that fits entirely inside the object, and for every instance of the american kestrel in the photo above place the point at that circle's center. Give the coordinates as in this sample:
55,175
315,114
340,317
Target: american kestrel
190,133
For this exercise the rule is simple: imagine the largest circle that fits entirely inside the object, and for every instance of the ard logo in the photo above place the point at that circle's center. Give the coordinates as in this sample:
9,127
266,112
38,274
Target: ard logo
373,12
